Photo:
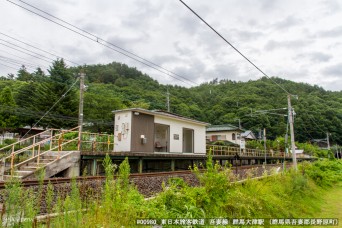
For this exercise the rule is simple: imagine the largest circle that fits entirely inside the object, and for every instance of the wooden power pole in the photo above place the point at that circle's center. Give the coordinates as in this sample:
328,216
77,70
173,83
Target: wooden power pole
80,110
293,146
265,145
168,100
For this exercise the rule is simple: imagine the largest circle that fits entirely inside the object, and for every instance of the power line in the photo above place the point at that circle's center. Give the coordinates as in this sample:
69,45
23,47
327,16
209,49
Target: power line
15,64
52,107
8,66
100,39
30,45
39,65
18,63
26,49
24,52
306,130
319,128
30,113
7,59
106,44
248,60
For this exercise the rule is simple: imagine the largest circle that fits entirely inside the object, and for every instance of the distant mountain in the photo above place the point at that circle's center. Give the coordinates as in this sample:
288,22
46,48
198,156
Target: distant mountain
117,86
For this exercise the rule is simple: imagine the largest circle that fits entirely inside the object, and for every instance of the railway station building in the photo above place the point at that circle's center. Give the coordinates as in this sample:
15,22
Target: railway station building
140,130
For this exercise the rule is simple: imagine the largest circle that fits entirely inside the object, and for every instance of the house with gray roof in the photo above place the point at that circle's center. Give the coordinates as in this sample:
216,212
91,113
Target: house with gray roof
228,132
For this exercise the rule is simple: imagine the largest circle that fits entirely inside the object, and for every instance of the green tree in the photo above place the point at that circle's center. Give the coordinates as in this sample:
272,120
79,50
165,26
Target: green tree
38,75
24,75
8,119
64,113
28,100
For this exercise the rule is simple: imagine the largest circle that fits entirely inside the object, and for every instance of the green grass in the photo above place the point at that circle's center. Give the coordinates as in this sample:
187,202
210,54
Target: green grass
312,192
332,203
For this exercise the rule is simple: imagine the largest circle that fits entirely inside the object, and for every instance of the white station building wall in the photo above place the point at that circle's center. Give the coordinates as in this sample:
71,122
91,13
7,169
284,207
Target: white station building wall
176,128
122,131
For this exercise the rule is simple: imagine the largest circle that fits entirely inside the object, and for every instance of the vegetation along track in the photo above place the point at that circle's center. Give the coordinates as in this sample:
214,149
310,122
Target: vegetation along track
241,171
148,184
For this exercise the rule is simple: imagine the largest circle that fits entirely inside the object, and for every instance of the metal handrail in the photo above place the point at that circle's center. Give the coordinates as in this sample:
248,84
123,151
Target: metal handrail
45,152
36,144
231,151
25,139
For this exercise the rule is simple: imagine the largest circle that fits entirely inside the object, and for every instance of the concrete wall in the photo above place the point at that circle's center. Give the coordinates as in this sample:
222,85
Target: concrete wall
122,131
176,128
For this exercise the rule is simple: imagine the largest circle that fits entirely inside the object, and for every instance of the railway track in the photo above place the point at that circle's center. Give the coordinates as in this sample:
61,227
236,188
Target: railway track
62,180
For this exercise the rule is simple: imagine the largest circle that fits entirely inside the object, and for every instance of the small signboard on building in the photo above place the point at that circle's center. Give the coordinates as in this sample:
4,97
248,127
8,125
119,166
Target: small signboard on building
242,144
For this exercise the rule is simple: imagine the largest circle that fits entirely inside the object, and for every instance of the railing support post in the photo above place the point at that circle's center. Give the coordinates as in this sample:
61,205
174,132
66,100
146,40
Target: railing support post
60,142
108,143
3,164
38,159
12,160
51,135
34,141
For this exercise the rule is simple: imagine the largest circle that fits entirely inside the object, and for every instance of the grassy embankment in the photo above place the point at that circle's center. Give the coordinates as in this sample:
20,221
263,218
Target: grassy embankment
310,193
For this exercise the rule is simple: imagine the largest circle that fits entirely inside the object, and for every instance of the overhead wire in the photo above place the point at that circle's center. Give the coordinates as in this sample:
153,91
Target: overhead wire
25,52
231,45
319,128
26,49
26,64
35,47
100,39
30,113
52,106
8,66
25,59
106,44
16,64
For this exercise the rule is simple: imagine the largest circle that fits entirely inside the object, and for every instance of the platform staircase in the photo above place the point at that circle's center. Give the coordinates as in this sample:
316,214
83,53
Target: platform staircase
52,150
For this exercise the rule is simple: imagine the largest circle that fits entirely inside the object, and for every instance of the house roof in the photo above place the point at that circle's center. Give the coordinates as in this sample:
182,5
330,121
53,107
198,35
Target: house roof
223,127
161,114
248,134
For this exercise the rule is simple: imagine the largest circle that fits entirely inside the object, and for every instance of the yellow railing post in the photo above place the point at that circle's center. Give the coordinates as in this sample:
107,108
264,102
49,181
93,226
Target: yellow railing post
38,155
3,165
51,135
94,143
60,142
108,142
12,161
79,141
34,141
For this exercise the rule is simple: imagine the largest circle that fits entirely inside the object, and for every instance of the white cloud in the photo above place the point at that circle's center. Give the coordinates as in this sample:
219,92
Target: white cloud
299,40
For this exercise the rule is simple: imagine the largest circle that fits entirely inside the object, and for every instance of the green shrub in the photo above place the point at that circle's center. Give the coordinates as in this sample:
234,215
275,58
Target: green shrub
325,172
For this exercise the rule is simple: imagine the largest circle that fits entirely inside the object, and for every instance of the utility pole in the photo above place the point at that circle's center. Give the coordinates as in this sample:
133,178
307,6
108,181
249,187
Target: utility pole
265,146
80,110
293,147
168,100
328,143
286,140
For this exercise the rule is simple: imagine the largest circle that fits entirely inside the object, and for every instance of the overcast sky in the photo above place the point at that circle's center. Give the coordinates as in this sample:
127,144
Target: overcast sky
291,39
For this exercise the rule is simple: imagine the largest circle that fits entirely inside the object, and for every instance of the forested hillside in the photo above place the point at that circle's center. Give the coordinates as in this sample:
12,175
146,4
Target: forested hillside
25,97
